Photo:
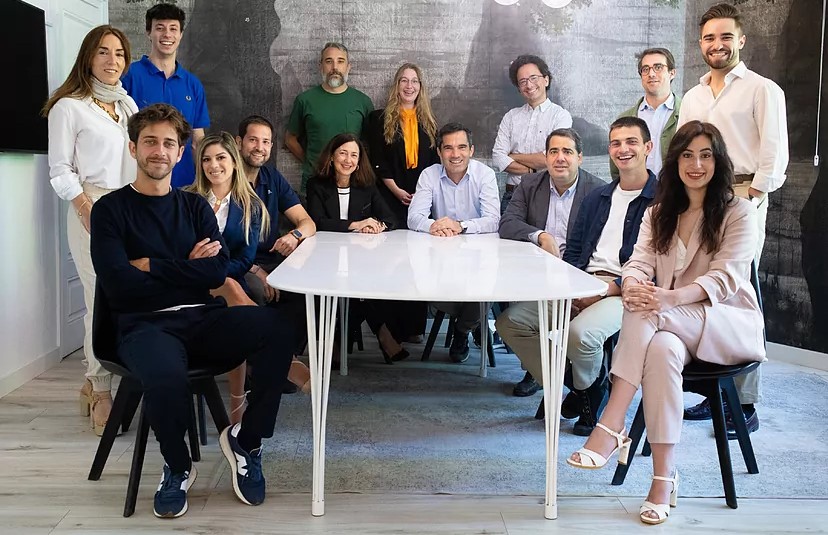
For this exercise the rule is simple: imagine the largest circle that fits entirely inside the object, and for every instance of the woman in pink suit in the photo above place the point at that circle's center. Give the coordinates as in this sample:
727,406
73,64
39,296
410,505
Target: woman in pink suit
687,295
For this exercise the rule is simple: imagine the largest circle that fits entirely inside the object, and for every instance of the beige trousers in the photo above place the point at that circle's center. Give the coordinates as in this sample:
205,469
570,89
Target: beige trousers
651,353
749,385
78,239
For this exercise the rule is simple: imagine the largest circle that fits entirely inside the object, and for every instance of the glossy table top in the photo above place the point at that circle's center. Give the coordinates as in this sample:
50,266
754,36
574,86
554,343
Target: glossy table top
415,266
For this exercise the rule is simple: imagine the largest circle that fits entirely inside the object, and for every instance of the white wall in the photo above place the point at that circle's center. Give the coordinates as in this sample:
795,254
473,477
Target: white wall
29,280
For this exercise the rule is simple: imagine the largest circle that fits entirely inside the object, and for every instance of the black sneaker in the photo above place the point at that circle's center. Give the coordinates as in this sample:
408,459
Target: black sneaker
248,480
698,412
526,387
592,402
171,496
459,350
751,420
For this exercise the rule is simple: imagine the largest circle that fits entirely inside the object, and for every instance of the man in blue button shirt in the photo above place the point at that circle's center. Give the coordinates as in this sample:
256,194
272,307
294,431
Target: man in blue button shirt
255,141
457,196
159,78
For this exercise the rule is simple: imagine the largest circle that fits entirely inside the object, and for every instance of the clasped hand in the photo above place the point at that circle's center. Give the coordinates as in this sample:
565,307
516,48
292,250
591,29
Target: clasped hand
445,227
646,297
367,226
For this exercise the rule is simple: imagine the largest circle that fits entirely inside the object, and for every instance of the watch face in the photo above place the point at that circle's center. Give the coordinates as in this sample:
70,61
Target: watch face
296,234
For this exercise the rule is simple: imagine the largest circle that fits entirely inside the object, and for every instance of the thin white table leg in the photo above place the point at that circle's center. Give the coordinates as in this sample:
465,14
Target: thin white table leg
320,349
484,338
344,305
553,361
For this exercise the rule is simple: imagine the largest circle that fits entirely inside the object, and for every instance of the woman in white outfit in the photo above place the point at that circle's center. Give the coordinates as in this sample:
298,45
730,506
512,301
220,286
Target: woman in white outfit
88,158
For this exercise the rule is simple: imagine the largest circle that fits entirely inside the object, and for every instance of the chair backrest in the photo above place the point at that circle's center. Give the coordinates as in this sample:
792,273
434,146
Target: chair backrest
103,328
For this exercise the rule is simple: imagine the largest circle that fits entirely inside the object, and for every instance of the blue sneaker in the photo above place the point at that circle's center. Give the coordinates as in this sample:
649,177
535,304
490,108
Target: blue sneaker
171,496
248,480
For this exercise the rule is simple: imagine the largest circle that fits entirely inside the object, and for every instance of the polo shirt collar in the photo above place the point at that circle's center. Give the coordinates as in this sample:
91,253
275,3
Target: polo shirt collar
152,69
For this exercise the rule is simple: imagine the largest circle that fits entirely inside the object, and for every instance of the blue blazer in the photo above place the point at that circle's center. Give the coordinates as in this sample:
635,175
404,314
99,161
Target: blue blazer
241,253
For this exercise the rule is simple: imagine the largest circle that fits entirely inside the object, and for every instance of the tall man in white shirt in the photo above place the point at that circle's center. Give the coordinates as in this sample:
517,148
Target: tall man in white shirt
519,147
659,107
749,110
601,240
457,196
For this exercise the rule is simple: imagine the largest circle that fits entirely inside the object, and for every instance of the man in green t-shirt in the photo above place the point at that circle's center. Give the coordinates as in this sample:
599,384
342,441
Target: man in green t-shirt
326,110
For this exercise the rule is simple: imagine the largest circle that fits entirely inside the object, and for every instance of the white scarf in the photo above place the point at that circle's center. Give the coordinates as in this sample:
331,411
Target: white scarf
114,93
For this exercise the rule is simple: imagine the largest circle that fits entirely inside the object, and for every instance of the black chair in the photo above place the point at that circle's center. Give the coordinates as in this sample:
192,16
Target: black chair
711,381
130,394
437,324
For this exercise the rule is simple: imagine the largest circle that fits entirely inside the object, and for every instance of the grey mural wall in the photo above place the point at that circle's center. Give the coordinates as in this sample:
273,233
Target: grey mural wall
255,56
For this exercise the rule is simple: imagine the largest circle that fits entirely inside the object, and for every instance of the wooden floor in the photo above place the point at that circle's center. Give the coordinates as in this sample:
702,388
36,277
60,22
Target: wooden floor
46,450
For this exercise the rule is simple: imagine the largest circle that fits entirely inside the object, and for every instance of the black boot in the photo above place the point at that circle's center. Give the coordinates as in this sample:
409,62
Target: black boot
592,402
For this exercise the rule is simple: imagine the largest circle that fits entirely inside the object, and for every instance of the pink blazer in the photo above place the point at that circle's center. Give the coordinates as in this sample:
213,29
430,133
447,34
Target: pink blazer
733,332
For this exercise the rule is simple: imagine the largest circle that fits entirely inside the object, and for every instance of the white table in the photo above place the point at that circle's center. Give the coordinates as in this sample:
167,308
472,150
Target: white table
405,265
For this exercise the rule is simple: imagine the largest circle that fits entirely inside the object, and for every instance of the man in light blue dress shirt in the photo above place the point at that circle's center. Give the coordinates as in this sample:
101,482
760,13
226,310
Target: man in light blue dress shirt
457,196
659,107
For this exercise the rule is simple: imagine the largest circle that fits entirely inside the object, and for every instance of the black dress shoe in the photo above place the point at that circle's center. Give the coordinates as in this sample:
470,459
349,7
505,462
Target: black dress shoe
591,402
570,407
526,387
752,422
459,350
289,388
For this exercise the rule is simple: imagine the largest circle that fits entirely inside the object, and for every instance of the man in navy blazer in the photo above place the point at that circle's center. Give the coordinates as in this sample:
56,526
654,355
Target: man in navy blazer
545,205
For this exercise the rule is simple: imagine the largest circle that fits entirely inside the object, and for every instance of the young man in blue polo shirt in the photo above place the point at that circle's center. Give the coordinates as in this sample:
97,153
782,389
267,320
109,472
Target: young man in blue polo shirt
159,78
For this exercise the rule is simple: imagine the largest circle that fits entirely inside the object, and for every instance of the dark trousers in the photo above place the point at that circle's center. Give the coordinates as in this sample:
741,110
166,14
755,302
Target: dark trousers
159,348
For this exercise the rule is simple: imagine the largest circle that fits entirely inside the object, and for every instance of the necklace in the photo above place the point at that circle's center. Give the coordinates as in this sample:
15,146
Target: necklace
112,115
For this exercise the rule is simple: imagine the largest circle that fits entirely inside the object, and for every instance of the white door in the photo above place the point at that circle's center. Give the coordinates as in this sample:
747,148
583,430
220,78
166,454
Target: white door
70,21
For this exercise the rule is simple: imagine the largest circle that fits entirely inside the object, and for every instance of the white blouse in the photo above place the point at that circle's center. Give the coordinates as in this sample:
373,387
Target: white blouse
86,145
344,201
223,210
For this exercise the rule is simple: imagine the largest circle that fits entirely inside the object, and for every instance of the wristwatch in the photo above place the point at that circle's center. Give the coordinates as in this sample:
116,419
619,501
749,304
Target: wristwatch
296,234
463,227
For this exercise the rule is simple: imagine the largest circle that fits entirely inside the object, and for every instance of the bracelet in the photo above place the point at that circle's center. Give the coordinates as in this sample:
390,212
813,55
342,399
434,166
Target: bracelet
87,201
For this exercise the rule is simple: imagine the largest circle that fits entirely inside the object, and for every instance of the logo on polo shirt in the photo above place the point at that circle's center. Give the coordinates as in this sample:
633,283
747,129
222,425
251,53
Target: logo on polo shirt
189,98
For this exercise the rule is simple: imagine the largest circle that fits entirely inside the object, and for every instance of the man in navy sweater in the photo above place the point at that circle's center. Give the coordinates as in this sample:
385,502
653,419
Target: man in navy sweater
157,253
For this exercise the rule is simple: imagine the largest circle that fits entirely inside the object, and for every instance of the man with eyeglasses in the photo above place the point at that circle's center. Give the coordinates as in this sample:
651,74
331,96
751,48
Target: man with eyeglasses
749,110
659,107
519,148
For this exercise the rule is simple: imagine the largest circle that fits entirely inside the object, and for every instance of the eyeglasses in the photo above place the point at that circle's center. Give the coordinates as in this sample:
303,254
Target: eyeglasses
535,78
645,69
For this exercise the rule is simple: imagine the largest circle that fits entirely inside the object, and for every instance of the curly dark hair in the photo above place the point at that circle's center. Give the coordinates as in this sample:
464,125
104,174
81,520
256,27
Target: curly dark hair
165,11
159,113
671,199
528,59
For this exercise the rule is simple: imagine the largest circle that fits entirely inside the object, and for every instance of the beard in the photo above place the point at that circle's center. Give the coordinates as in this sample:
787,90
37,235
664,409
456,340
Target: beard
152,170
731,59
248,159
335,79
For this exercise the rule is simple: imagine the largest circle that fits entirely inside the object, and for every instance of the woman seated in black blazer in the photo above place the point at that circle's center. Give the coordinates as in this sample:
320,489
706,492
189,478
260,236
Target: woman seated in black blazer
343,197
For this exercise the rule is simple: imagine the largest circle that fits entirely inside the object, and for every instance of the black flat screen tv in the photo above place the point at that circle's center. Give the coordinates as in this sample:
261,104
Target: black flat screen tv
26,88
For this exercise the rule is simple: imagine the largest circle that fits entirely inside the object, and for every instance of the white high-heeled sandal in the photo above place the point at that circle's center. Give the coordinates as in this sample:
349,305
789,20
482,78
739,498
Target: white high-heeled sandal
662,510
596,460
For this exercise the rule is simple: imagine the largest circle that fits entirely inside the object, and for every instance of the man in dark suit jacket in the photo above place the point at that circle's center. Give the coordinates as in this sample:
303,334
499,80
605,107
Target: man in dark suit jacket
545,205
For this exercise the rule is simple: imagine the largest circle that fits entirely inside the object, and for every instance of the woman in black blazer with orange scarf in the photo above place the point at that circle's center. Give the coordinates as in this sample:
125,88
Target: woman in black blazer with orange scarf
342,197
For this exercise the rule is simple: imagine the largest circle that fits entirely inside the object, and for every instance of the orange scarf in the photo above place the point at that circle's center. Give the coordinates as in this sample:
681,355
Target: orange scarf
408,124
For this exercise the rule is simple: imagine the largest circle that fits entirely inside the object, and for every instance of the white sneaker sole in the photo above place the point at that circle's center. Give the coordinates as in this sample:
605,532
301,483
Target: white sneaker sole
231,458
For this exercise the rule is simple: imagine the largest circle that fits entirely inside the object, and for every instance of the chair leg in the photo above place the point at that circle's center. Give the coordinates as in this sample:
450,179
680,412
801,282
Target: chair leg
436,323
646,450
127,392
192,432
202,419
490,350
635,434
137,464
541,412
738,417
720,432
129,412
212,396
450,331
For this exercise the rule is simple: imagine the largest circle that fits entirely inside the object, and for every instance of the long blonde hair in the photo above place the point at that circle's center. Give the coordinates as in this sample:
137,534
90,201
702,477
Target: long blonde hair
241,192
425,117
79,82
